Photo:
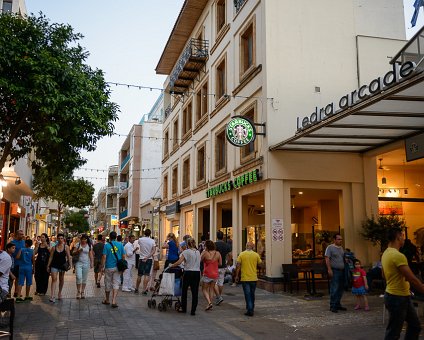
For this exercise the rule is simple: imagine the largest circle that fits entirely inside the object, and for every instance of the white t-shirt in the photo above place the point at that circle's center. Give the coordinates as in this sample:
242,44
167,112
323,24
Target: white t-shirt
192,260
129,255
5,264
146,247
84,256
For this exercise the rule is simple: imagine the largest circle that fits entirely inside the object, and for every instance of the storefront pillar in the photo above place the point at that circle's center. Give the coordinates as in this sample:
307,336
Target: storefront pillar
212,220
236,224
277,213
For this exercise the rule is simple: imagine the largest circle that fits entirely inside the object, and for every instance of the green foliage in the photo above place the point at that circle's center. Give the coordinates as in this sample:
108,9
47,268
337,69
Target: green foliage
376,230
51,102
75,221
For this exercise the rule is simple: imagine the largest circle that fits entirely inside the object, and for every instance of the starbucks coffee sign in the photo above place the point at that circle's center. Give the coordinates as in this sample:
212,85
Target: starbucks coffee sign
240,131
237,183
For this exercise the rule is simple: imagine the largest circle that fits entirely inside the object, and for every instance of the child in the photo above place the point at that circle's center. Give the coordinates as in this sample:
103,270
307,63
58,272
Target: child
26,269
360,286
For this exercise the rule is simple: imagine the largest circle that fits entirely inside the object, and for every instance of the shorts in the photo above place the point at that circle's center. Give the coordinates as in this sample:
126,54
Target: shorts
144,267
221,277
56,270
206,279
97,265
359,291
15,271
25,275
112,279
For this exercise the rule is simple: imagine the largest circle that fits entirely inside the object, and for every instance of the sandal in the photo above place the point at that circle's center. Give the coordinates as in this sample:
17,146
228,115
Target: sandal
82,296
114,305
209,307
52,299
78,295
105,302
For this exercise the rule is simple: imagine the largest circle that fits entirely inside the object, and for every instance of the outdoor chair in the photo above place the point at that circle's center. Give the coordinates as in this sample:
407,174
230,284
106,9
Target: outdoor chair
321,270
291,274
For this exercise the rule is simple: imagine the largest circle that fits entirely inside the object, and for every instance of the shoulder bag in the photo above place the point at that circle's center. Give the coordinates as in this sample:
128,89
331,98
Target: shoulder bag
121,264
75,255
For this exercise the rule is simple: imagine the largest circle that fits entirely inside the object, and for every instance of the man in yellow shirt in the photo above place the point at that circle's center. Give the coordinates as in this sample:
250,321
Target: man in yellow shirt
248,262
397,297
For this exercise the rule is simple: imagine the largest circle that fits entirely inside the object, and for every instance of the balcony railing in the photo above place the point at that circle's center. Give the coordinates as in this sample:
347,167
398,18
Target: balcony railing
123,214
413,51
238,4
189,65
125,161
111,210
112,190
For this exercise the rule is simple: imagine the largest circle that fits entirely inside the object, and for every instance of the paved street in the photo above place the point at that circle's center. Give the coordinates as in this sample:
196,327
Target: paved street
277,316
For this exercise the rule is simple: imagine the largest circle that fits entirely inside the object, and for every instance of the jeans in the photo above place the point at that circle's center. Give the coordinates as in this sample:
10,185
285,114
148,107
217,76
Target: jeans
401,309
336,288
249,288
81,272
191,279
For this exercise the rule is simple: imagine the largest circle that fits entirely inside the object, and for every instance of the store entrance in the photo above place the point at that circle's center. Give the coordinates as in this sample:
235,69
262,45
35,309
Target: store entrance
315,219
204,224
225,220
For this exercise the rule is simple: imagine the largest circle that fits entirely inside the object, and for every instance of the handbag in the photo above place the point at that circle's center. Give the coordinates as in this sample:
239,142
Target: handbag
167,284
121,264
75,255
155,265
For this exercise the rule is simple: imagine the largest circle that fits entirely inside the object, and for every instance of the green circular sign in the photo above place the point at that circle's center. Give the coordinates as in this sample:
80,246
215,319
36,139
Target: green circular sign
240,131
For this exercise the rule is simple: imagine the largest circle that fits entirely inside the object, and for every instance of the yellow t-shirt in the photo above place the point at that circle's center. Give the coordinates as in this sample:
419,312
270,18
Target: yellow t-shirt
396,284
249,261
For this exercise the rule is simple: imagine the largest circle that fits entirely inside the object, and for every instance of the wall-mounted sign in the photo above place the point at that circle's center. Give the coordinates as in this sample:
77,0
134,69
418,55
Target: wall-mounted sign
173,208
397,74
40,216
240,131
114,220
238,182
414,147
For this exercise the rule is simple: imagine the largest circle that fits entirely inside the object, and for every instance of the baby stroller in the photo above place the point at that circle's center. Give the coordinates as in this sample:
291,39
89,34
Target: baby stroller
167,299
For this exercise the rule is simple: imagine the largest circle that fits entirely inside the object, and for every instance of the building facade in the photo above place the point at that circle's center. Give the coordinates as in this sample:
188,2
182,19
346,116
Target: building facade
270,62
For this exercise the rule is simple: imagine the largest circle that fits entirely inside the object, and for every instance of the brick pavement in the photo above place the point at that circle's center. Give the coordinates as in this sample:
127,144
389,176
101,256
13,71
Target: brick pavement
277,316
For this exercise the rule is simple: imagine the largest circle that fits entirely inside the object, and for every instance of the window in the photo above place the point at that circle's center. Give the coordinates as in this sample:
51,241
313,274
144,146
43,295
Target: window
175,134
220,152
186,174
165,187
187,118
201,166
166,144
202,102
247,48
220,15
248,151
7,6
221,82
174,181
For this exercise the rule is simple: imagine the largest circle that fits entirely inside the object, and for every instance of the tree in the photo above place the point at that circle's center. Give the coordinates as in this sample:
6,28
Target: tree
65,190
376,230
51,102
76,221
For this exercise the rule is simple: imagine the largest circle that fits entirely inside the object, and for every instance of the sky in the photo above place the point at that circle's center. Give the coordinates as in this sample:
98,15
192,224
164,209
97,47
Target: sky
125,39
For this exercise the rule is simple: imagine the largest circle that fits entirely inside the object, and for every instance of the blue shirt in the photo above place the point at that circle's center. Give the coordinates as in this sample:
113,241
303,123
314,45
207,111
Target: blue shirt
26,257
110,257
19,245
172,251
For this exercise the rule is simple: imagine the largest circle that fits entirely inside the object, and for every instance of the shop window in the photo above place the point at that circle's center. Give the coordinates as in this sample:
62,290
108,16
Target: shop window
186,174
175,135
220,153
202,102
174,181
189,222
165,187
248,152
166,144
247,48
187,119
201,166
220,15
221,81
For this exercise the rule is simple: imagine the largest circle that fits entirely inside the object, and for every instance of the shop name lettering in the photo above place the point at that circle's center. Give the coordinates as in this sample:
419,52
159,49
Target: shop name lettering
377,85
238,182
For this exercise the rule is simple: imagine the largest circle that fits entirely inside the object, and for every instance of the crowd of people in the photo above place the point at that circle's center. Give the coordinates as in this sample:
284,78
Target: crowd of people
47,260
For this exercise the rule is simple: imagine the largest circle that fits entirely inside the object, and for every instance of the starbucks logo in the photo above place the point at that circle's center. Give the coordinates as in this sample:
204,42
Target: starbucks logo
240,131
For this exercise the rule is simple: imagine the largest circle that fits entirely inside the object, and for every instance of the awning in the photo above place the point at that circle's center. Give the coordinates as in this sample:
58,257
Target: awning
393,114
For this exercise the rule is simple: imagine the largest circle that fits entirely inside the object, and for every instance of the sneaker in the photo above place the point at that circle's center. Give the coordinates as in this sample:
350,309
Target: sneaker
234,285
219,300
341,308
28,298
126,290
357,307
334,310
136,291
19,300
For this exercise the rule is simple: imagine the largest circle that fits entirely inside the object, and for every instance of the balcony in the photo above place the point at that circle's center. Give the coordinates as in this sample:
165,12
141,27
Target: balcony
123,214
112,190
191,62
125,162
238,4
412,51
113,170
111,210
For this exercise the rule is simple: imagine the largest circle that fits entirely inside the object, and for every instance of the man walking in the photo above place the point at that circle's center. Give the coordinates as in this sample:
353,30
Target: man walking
130,250
5,266
248,262
223,249
19,243
397,297
98,253
112,251
334,259
147,249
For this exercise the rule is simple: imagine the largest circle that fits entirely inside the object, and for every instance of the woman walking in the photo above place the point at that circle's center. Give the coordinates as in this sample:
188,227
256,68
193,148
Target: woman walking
171,244
59,263
191,259
42,251
211,261
72,248
85,262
